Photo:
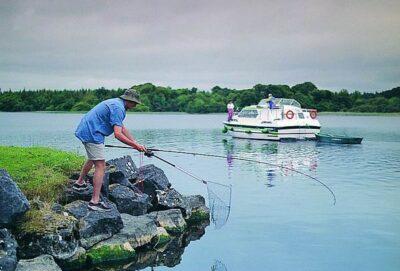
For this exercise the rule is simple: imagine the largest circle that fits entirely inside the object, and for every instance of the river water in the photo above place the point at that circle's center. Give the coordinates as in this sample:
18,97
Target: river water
280,219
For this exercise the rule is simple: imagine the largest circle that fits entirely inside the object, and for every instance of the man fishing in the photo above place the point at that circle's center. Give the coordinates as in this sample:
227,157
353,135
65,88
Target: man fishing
103,120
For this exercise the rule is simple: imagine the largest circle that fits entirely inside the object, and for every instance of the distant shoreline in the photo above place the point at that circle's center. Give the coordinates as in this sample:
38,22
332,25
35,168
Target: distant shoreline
184,113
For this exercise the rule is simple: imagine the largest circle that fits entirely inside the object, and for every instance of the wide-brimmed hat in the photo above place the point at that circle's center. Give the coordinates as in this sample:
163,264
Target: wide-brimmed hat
131,95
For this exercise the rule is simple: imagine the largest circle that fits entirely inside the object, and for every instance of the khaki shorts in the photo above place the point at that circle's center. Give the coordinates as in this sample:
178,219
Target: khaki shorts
94,151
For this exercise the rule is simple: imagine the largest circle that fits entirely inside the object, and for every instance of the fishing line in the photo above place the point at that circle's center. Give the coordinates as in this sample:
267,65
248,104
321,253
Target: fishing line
219,195
240,159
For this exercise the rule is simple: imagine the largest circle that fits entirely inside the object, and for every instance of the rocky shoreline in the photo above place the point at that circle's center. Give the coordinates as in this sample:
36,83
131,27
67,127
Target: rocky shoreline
150,223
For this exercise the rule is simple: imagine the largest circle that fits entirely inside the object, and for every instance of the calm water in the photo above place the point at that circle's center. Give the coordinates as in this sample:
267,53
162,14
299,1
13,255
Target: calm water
280,220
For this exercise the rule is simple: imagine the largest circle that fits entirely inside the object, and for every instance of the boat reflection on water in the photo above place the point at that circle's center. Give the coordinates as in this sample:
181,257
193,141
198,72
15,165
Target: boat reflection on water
300,155
169,254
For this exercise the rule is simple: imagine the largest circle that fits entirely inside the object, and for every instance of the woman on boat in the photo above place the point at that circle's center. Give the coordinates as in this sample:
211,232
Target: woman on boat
231,110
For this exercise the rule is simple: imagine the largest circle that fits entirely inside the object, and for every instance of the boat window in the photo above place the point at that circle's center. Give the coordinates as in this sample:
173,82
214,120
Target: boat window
301,115
248,114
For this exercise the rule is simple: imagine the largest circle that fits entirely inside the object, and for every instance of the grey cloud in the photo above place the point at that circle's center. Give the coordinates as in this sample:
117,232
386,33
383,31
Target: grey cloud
70,44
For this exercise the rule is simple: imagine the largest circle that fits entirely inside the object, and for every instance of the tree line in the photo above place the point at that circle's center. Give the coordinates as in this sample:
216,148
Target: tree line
166,99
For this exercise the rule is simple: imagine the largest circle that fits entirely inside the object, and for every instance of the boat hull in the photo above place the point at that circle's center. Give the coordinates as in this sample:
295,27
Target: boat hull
273,133
325,138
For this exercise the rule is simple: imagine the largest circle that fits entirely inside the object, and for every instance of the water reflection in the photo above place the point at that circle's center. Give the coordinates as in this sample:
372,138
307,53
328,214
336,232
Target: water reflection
169,254
274,158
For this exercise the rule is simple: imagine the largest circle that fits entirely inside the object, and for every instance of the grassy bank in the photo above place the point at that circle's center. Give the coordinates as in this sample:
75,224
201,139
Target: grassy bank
39,171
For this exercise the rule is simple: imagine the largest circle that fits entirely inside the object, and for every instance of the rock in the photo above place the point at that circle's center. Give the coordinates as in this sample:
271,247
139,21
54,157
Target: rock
138,230
198,209
193,207
128,201
171,220
70,195
57,208
13,202
153,179
37,204
124,169
172,199
111,250
95,226
8,251
46,232
163,237
197,230
77,262
41,263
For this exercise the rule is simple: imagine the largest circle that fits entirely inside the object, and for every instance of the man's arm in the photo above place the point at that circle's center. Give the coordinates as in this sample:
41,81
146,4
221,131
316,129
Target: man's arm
122,134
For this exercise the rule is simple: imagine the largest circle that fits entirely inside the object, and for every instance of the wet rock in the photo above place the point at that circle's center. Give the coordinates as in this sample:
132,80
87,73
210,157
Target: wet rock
111,250
172,199
198,209
153,179
46,232
163,237
193,207
138,230
41,263
76,262
171,220
197,230
70,195
128,201
94,226
13,202
8,251
124,169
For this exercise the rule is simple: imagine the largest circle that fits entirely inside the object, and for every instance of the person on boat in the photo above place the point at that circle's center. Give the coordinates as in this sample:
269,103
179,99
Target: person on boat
270,101
231,110
103,120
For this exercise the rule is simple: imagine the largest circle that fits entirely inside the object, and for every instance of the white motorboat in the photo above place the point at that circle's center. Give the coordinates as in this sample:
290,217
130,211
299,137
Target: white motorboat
285,120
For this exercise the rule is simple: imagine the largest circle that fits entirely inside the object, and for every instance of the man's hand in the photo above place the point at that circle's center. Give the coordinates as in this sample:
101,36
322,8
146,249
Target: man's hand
141,148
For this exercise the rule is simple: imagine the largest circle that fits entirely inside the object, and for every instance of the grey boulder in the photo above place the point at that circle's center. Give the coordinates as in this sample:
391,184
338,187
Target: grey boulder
57,237
13,202
95,226
8,251
152,178
41,263
128,201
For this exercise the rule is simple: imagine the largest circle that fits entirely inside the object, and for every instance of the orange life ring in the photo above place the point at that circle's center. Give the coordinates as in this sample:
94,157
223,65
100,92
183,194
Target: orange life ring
289,114
313,114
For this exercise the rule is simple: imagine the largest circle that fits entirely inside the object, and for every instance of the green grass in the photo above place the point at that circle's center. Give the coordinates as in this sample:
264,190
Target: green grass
38,171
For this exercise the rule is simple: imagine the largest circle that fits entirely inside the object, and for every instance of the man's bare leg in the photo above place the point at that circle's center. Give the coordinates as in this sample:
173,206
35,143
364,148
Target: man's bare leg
85,170
99,169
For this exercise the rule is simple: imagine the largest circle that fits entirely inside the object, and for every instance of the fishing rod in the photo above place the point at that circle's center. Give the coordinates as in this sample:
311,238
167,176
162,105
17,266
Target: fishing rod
237,158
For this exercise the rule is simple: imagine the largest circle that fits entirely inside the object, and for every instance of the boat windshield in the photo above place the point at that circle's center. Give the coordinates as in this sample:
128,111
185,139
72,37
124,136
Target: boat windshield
280,102
248,113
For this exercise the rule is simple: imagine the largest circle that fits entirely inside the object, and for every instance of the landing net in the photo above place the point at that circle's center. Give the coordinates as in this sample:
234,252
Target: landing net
219,199
218,266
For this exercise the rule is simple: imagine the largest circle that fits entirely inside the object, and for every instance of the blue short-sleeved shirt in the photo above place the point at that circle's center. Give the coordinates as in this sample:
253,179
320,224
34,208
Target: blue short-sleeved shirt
98,122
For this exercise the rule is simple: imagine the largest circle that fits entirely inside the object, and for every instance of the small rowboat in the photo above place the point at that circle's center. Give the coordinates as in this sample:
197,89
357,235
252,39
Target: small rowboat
337,139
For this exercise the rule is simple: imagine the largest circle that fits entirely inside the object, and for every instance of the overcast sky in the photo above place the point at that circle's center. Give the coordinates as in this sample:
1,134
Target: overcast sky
352,45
